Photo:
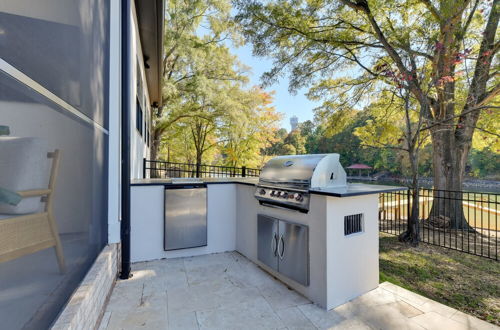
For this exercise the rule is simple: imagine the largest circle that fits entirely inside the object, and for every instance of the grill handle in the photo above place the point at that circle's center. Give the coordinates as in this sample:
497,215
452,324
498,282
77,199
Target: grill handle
282,241
274,245
278,207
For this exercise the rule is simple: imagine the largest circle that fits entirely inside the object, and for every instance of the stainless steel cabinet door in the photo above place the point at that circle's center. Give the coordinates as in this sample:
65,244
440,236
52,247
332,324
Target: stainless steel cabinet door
185,218
293,251
267,241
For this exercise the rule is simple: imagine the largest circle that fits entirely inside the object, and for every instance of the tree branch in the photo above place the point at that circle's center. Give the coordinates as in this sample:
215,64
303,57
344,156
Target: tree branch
469,19
486,131
433,10
355,59
383,145
312,38
491,94
477,94
440,122
414,87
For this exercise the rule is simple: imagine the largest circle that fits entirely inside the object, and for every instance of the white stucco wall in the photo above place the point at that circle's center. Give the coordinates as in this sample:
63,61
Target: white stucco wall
147,223
138,148
352,260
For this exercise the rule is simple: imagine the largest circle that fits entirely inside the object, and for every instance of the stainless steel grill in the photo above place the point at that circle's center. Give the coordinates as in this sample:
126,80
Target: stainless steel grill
285,180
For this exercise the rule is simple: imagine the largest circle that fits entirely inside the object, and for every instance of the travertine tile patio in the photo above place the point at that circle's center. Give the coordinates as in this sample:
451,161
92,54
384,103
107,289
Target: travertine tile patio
227,291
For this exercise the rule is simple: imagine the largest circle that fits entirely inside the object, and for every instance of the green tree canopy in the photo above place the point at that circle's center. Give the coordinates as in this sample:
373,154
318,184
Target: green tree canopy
351,51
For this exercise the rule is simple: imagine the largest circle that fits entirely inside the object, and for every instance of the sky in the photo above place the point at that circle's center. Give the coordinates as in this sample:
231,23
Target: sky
290,105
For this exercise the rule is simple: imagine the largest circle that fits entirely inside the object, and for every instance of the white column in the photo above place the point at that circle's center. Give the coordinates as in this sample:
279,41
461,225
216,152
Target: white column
114,186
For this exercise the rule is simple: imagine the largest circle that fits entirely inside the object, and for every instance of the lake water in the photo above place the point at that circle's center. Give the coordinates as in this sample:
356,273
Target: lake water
494,187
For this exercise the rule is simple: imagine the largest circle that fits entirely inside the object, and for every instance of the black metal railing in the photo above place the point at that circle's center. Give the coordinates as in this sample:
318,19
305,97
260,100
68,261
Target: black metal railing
462,221
161,169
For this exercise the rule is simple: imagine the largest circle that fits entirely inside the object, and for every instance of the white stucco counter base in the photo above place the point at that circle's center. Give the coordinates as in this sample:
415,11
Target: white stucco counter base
341,266
147,223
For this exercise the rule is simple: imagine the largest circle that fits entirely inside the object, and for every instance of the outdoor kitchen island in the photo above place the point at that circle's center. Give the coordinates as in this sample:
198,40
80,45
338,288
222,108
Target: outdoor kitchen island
330,255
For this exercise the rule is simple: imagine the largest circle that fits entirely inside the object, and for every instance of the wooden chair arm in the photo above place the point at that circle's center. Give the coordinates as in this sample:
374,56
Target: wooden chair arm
34,193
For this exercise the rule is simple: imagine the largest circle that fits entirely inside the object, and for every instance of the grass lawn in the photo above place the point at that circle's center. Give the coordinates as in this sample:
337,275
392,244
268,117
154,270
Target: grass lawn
468,283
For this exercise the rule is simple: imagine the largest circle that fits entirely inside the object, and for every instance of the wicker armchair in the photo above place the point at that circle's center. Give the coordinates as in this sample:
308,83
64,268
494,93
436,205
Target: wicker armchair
24,234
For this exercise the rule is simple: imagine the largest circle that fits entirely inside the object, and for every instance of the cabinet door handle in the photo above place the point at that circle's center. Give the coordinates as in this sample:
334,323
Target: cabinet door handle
282,253
274,245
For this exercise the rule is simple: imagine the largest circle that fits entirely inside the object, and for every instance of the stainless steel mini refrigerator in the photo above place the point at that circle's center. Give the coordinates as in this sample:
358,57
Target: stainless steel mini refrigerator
185,216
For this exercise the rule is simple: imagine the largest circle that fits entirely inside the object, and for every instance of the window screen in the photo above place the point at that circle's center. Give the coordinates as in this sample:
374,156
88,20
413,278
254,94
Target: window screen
139,119
63,46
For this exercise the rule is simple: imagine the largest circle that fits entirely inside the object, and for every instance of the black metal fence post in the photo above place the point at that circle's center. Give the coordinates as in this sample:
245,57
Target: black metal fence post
144,168
408,206
198,166
243,171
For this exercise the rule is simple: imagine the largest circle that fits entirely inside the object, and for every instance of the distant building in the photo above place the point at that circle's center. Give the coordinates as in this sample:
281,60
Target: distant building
360,168
294,122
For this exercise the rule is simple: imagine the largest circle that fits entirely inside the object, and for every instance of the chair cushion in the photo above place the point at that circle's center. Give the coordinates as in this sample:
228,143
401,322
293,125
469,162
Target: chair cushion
24,165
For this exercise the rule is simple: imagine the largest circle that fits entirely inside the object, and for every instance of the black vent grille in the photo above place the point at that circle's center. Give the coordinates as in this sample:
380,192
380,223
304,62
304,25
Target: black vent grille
353,224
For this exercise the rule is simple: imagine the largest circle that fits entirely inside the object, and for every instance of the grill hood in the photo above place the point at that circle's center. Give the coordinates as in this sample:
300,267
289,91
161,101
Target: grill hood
304,172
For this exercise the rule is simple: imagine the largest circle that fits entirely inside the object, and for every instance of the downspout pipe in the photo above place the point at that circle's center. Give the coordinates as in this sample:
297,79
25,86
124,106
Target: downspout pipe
126,78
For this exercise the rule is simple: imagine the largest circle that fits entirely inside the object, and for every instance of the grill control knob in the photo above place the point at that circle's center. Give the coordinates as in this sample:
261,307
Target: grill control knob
284,195
278,193
273,193
262,192
299,197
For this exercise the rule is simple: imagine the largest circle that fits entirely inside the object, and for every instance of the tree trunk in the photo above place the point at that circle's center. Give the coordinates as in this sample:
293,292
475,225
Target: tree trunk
452,143
412,233
449,161
155,150
155,144
198,163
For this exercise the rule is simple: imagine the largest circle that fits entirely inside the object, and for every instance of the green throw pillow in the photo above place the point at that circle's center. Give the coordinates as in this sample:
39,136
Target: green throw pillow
4,130
9,197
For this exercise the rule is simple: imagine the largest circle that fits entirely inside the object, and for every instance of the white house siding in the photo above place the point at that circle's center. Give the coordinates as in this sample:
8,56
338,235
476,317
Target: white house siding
138,147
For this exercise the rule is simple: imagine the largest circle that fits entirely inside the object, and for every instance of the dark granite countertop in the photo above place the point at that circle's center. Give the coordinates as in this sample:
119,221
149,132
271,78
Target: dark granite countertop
353,189
188,181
